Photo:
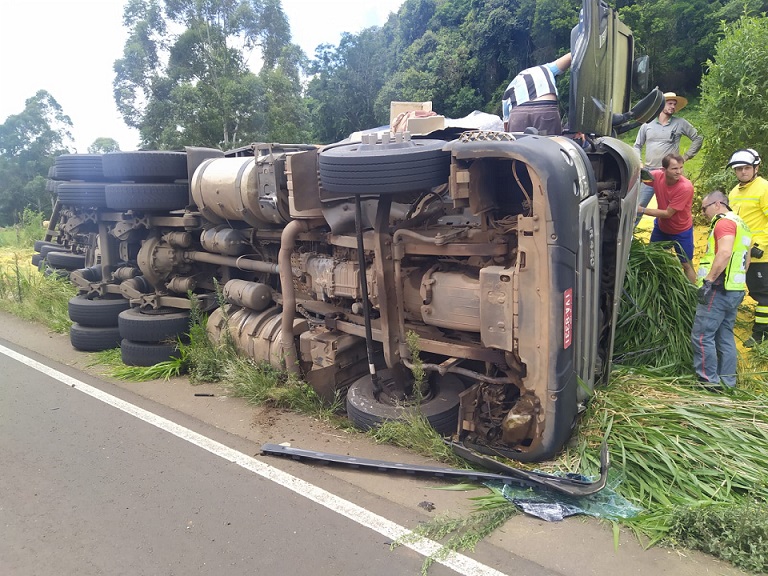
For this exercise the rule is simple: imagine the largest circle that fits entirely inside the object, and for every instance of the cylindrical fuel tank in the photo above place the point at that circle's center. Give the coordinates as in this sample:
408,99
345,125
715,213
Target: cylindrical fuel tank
253,295
224,240
248,189
257,335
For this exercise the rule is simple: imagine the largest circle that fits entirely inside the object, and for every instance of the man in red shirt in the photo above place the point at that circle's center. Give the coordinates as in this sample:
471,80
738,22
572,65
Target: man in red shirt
674,221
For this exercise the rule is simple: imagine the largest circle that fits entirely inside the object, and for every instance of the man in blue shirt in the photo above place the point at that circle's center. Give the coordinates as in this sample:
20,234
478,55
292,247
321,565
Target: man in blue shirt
530,100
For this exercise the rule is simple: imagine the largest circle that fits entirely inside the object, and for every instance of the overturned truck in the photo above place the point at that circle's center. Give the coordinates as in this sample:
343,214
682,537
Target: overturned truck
493,262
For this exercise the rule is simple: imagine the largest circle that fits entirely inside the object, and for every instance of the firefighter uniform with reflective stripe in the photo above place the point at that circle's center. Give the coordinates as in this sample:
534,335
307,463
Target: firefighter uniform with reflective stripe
712,339
750,202
735,275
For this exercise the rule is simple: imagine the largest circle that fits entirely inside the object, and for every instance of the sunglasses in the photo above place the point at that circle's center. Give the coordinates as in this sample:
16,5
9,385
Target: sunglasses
705,206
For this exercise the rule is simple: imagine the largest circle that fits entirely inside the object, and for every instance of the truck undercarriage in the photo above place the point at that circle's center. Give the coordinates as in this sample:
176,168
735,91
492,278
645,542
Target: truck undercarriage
472,275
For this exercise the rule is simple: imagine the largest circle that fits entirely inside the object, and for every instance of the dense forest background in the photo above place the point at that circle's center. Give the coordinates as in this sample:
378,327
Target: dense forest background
225,73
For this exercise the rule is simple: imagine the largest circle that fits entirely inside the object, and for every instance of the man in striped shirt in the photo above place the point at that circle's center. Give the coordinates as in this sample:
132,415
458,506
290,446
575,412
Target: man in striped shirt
530,100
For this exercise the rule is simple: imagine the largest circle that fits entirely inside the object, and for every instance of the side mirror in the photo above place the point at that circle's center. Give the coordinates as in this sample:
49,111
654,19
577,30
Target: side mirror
649,107
641,74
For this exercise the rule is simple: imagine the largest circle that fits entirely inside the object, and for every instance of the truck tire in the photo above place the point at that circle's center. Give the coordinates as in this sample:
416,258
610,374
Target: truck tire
384,168
441,408
86,167
86,194
45,250
90,339
147,197
147,354
39,244
138,326
65,260
97,313
149,166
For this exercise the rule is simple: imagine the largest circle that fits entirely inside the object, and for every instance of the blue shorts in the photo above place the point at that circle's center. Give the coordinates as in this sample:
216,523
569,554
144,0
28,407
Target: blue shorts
683,241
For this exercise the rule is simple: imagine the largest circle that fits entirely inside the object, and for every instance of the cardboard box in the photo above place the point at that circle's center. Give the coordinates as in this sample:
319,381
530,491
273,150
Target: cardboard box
396,108
425,125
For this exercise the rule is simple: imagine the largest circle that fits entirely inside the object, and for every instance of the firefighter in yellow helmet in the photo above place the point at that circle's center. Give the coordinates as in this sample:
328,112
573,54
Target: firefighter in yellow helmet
749,199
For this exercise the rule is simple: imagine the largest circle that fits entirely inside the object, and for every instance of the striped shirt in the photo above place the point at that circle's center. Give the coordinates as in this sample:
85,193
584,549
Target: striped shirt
530,84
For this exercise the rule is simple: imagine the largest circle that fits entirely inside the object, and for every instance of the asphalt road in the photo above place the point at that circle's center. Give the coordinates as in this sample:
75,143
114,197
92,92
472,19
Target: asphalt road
88,488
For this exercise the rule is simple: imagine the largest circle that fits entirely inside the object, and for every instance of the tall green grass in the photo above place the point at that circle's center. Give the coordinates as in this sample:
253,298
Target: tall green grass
679,448
24,291
23,234
658,304
29,294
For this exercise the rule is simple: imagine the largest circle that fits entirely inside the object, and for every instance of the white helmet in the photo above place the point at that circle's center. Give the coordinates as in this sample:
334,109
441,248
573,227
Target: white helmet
744,157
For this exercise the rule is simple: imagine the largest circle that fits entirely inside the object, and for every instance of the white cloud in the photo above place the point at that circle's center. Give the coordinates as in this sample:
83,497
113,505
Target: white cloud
69,47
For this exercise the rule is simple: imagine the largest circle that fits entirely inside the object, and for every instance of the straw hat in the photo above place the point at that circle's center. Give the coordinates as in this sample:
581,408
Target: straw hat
681,101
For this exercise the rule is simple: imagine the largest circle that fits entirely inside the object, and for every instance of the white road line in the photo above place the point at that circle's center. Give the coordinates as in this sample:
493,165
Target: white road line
457,562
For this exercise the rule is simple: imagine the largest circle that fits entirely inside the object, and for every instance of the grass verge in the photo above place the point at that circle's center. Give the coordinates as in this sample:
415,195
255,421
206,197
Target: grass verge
29,294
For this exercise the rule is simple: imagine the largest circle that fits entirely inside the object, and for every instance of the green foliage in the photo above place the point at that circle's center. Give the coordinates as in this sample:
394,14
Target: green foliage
346,80
733,104
204,359
414,432
463,532
103,146
657,308
28,142
737,534
678,37
262,384
419,374
111,362
29,294
675,444
184,78
551,27
459,54
23,234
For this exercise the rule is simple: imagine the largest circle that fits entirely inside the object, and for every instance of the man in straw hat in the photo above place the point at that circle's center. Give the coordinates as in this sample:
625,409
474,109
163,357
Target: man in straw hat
662,135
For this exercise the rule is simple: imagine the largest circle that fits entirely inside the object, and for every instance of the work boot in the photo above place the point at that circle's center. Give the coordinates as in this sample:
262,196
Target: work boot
750,342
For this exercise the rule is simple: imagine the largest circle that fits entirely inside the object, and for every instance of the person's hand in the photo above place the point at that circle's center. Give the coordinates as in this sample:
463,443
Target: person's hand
705,292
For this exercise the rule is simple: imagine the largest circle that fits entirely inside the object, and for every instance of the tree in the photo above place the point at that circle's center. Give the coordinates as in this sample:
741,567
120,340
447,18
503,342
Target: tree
677,35
104,145
288,118
346,81
184,78
734,107
29,141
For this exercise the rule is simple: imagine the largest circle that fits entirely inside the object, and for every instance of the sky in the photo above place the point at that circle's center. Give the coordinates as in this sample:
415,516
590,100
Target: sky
68,47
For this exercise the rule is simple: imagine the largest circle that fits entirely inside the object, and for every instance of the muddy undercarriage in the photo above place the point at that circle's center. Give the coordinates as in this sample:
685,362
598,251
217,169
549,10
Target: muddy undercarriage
496,284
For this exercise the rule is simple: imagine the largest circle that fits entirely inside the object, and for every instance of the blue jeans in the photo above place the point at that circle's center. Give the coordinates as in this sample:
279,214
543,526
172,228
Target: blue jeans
712,336
644,198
